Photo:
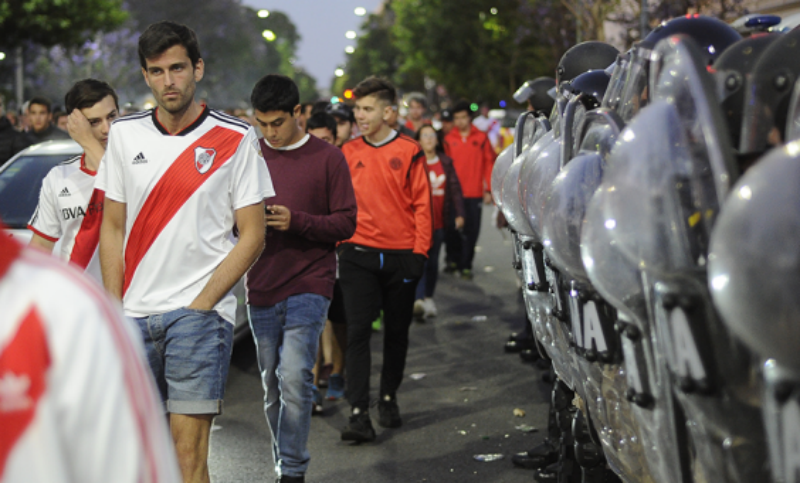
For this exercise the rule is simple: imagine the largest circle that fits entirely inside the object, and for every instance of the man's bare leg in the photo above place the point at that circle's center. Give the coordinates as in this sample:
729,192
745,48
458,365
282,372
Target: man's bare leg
191,432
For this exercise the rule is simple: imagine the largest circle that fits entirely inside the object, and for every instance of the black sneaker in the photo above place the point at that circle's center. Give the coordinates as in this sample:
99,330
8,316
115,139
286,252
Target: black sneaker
539,457
359,428
389,413
450,267
291,479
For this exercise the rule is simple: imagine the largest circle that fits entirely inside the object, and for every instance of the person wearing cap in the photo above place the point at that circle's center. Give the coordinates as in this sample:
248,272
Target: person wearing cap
343,114
447,121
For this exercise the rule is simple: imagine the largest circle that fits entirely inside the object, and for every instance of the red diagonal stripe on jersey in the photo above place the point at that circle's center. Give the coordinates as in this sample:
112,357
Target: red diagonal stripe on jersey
23,367
176,186
89,233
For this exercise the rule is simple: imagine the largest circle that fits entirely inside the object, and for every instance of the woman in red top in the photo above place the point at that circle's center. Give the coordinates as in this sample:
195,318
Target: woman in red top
448,207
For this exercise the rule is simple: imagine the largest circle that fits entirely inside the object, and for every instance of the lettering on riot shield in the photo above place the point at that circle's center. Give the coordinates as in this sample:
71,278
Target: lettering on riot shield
575,318
677,333
592,328
529,267
632,360
790,419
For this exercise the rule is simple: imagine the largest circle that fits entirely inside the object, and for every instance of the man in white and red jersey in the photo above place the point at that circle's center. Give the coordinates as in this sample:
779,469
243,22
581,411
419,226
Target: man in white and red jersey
70,209
380,265
176,180
77,404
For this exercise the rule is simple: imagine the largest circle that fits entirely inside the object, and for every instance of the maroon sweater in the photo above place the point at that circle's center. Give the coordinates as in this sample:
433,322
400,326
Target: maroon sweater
313,181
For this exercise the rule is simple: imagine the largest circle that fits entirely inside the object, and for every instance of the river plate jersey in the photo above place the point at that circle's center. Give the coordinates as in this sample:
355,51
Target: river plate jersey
181,192
71,210
77,402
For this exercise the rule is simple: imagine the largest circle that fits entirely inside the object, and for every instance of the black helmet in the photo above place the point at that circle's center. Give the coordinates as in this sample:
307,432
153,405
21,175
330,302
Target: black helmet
341,110
535,92
731,70
711,35
768,92
592,85
585,56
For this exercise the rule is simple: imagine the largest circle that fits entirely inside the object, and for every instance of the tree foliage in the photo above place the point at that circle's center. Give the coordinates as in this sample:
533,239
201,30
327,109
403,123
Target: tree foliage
57,22
480,49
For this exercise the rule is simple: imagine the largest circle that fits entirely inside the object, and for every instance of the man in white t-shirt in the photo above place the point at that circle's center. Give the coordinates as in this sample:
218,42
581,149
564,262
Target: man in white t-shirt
177,178
70,209
77,404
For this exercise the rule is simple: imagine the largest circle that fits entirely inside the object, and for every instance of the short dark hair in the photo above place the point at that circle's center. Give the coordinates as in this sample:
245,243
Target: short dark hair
86,93
161,36
320,120
379,87
419,100
275,92
42,101
462,106
320,106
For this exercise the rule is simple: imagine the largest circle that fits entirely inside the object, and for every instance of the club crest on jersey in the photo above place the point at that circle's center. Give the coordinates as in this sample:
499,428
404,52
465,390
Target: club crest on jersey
204,158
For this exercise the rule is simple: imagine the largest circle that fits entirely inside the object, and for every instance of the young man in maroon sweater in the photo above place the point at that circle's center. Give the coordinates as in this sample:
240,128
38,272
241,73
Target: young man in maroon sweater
290,286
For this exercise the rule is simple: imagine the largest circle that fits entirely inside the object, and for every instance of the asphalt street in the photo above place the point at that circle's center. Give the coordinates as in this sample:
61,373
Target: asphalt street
457,400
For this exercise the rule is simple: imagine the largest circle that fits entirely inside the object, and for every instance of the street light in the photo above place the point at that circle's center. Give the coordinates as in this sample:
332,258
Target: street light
350,34
360,11
2,56
263,13
349,49
339,72
493,11
269,35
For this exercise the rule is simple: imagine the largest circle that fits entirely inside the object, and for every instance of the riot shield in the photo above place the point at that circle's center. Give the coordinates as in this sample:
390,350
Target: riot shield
613,96
663,215
793,118
753,275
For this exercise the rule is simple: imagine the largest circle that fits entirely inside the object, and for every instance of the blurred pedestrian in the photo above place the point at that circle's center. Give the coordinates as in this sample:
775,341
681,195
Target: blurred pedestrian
290,286
487,124
379,267
447,121
447,203
8,135
393,121
41,126
77,404
329,369
345,121
417,105
473,158
70,208
177,178
60,120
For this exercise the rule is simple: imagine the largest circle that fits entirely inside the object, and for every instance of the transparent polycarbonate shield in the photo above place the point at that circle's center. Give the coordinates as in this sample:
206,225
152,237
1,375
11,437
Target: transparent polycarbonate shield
532,128
634,91
511,207
793,117
754,262
572,189
769,90
613,95
499,171
782,418
537,180
542,145
574,116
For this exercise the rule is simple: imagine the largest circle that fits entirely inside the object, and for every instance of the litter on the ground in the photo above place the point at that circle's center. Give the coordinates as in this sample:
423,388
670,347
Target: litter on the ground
462,433
488,269
417,376
526,428
519,413
479,318
485,458
468,388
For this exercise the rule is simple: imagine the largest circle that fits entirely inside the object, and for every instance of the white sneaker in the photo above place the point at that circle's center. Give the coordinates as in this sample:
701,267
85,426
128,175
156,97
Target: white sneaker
430,308
419,308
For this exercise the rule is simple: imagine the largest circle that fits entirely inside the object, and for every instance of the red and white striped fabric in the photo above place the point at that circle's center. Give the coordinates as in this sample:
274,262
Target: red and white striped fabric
71,210
181,193
77,402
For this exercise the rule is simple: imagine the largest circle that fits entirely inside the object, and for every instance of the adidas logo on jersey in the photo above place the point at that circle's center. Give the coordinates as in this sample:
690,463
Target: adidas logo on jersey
14,392
139,159
360,165
64,192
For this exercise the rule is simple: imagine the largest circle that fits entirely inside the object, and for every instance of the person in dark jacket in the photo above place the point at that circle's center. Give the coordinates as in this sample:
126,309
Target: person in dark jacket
42,129
8,135
447,203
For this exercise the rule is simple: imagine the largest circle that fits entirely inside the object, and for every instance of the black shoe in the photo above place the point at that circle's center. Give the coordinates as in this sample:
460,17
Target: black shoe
530,355
291,479
519,345
543,364
389,413
359,429
450,267
538,457
548,474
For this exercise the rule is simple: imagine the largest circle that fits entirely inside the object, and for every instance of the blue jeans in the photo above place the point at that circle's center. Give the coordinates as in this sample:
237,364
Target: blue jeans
427,284
287,337
189,352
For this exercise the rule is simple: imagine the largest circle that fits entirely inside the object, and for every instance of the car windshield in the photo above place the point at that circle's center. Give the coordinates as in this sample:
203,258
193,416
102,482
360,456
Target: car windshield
20,184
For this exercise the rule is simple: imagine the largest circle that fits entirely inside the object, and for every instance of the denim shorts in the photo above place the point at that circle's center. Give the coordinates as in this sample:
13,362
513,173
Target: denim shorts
189,352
